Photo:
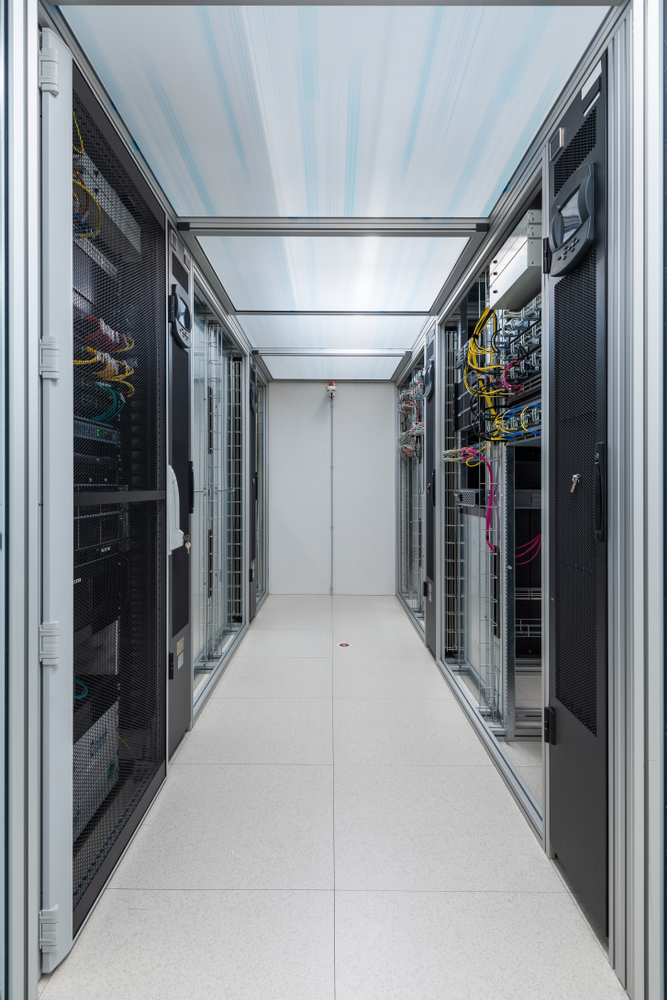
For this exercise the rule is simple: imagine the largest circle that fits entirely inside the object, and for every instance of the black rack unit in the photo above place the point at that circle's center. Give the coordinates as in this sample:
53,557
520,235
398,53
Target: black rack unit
119,302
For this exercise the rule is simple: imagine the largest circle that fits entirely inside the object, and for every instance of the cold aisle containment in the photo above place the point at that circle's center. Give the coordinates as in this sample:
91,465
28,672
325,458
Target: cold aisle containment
332,350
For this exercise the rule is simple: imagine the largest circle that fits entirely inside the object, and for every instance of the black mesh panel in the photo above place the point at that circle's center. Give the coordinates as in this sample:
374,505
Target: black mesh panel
575,547
119,545
180,273
576,151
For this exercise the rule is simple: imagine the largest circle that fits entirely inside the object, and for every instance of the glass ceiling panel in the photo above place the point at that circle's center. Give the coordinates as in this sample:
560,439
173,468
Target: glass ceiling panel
371,111
332,331
332,272
332,368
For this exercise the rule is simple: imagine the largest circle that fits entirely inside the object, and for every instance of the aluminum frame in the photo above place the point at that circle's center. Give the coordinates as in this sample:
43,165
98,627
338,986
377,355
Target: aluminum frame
57,500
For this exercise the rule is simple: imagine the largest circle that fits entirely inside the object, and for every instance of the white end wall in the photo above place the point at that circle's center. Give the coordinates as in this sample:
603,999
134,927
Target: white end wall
364,488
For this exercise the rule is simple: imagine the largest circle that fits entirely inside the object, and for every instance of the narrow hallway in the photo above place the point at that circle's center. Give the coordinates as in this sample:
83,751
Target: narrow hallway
318,767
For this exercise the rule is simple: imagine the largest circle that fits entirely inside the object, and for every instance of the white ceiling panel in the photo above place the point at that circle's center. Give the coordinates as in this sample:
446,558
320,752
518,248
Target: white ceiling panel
323,111
332,272
332,331
332,368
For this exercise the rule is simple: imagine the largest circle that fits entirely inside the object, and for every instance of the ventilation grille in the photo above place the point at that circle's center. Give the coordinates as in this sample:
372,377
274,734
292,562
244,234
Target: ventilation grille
576,152
179,272
574,453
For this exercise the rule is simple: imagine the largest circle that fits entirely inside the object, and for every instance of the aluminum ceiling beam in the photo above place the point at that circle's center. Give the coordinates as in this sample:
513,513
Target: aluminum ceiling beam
335,226
331,352
366,3
328,312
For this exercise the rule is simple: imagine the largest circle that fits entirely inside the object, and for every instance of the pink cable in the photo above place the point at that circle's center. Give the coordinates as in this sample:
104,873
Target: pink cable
511,388
537,546
528,545
470,453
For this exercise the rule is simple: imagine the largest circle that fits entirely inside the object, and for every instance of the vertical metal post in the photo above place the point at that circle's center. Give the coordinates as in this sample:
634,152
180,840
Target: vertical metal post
331,587
509,617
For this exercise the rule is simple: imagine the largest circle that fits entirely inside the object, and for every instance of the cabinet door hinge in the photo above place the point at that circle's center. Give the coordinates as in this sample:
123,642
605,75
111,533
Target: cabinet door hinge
49,929
49,81
49,643
546,256
549,725
49,357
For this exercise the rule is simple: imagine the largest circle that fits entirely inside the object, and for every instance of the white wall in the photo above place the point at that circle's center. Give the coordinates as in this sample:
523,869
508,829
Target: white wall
300,488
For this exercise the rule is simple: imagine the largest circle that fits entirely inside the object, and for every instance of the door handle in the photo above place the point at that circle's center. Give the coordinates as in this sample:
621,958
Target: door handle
431,488
175,538
600,491
191,487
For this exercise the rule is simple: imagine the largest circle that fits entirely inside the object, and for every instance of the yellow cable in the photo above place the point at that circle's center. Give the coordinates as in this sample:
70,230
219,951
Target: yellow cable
128,747
78,132
99,210
124,382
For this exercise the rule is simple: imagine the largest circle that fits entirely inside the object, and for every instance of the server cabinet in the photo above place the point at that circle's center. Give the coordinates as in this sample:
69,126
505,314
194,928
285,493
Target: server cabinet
217,521
254,494
181,491
412,492
430,604
104,512
577,712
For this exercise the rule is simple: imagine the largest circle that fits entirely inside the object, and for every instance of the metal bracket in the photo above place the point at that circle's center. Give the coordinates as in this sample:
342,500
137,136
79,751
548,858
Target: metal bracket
49,69
49,929
49,643
49,357
549,725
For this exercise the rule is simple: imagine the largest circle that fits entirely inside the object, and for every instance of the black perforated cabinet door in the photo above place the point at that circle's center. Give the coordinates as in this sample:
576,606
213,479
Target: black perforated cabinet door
577,528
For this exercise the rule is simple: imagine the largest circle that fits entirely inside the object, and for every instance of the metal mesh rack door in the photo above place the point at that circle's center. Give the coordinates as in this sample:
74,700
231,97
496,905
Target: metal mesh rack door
412,493
119,501
217,521
261,493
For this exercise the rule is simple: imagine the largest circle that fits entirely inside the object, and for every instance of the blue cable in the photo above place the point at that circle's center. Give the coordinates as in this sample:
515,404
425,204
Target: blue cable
79,697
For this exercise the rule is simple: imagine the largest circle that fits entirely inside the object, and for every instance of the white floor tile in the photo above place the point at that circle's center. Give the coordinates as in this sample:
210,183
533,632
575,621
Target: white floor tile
202,945
404,732
389,677
286,642
276,677
294,613
434,828
235,827
261,731
467,946
443,891
380,643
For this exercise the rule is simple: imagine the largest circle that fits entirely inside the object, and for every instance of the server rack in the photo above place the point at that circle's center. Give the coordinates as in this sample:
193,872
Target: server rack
412,492
181,491
253,487
491,492
430,470
217,598
104,501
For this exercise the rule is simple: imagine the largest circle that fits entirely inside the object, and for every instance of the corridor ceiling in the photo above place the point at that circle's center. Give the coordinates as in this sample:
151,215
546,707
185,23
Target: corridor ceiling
321,112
